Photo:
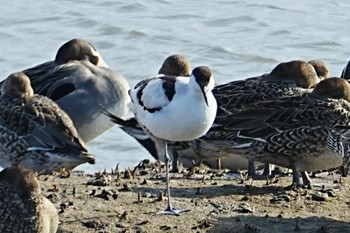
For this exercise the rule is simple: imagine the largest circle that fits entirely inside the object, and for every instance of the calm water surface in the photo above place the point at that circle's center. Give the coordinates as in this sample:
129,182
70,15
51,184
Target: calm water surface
237,39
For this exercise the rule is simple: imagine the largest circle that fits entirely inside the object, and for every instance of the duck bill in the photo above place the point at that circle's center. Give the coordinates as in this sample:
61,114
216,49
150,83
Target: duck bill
205,96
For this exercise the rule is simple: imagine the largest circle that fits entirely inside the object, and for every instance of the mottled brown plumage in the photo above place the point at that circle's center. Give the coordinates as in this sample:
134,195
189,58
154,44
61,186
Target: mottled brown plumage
35,132
320,68
23,209
175,65
295,132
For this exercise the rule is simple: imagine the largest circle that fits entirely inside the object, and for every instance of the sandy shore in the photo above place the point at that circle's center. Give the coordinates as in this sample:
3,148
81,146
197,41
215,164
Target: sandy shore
122,201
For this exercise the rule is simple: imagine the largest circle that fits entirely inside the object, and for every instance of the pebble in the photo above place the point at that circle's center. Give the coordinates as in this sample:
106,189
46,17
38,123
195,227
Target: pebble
95,224
319,196
331,193
53,198
125,188
102,181
280,198
245,208
107,195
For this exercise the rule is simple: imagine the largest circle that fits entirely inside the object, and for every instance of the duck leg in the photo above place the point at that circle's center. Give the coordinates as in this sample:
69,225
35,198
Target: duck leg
267,170
251,168
170,209
296,179
306,179
252,171
175,167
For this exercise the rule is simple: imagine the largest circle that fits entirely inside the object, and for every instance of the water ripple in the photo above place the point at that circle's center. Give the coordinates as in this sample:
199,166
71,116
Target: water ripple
110,30
134,7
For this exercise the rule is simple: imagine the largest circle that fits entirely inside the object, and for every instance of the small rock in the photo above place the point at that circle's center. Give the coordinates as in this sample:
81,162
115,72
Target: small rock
53,198
331,193
121,225
63,208
64,173
250,228
205,223
95,224
107,195
102,181
128,174
199,191
245,208
215,205
143,222
93,192
160,196
165,228
139,198
124,216
125,188
280,198
144,182
146,195
319,196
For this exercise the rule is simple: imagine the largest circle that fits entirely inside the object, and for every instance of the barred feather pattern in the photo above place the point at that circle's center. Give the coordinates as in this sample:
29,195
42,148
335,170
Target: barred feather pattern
233,96
33,130
23,209
19,215
306,147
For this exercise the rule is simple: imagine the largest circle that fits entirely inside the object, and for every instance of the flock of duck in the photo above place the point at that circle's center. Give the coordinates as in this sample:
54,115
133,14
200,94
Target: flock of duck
295,116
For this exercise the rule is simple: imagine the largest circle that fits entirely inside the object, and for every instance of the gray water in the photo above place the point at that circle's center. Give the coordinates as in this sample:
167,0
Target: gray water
237,39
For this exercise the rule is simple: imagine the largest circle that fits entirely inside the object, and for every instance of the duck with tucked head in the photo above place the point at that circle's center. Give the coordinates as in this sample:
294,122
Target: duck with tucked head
300,132
320,68
35,132
292,78
81,83
286,79
23,208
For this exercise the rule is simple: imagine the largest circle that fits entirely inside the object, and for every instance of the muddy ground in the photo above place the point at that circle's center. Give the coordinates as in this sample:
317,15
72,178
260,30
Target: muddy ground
128,201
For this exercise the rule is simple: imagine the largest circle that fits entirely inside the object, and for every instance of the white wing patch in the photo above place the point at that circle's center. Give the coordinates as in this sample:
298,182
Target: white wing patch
153,95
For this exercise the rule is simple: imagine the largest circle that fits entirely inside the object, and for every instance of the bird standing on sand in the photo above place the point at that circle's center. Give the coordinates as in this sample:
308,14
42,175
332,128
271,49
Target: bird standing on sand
35,132
174,109
23,209
81,83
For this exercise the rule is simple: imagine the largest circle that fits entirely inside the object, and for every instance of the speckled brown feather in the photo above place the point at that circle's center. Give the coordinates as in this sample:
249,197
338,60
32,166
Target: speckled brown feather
23,209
